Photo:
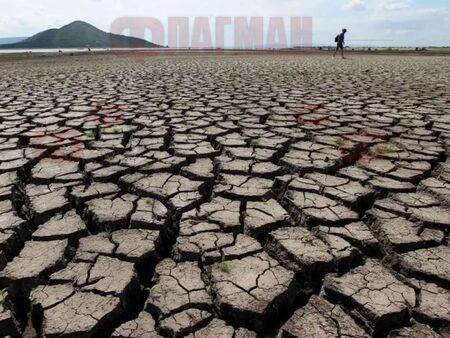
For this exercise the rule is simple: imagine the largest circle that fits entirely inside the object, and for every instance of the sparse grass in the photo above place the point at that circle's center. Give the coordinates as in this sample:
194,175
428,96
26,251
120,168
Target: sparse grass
89,135
340,142
109,233
152,289
308,135
148,165
255,141
85,175
224,267
150,202
307,238
110,157
383,149
3,295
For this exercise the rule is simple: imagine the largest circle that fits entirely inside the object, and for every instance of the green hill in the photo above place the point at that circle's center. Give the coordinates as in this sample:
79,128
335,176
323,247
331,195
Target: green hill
79,34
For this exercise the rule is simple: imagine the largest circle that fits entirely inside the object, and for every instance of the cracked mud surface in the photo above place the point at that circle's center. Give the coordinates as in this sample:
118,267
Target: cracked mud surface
225,196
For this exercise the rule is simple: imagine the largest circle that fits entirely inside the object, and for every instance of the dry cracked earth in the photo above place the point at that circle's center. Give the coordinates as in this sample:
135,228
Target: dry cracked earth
225,196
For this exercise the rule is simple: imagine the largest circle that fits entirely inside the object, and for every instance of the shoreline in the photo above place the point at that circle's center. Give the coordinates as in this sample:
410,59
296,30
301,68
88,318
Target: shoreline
173,51
143,54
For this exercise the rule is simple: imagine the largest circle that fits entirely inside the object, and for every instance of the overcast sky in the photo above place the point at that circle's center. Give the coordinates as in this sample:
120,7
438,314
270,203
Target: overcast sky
370,22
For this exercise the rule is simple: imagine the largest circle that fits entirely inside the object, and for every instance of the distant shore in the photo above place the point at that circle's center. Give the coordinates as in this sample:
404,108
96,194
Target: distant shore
32,53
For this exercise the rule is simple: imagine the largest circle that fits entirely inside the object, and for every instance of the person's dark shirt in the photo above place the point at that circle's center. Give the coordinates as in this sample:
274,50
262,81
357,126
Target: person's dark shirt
341,38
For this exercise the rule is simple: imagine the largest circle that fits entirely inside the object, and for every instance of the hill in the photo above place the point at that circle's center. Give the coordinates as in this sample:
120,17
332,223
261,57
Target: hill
79,34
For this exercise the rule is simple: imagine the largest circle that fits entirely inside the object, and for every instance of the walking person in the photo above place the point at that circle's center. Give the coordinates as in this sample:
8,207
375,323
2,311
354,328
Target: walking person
340,43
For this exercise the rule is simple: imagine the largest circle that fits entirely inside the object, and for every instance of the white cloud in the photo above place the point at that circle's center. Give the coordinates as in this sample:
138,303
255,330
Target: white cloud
356,5
394,5
414,26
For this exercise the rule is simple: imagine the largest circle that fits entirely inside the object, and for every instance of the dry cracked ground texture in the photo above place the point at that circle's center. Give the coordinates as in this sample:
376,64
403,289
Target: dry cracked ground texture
225,196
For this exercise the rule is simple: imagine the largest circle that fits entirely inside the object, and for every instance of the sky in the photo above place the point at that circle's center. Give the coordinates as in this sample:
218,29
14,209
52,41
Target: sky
369,22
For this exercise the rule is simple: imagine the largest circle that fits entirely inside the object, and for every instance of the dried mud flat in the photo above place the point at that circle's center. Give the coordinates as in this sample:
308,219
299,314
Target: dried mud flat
225,196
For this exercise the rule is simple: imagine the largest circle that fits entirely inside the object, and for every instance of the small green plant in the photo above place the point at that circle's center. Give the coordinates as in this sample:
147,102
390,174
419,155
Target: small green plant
116,130
89,135
152,289
109,233
110,157
224,267
86,176
3,295
383,149
340,142
308,238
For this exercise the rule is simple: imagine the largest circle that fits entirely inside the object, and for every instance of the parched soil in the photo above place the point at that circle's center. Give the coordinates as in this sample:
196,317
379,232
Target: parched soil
230,196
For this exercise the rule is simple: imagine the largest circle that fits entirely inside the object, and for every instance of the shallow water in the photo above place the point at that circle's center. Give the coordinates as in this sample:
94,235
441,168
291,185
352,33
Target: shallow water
50,50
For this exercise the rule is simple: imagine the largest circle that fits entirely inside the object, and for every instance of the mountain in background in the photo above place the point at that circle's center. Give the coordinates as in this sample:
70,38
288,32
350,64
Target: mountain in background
79,34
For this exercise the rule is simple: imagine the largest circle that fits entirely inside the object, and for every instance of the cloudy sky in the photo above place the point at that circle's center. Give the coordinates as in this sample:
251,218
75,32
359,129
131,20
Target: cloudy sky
370,22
